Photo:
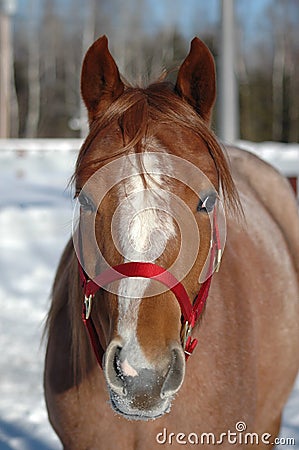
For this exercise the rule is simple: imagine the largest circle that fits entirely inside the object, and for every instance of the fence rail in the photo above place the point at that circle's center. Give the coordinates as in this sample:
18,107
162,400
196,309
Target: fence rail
39,145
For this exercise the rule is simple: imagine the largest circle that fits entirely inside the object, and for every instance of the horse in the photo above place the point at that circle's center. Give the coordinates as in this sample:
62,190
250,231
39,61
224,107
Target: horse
144,278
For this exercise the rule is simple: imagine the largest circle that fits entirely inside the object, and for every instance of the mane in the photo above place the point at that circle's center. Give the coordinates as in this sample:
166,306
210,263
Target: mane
137,109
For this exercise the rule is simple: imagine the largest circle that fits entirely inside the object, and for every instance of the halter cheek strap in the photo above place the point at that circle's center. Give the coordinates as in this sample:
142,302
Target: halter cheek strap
190,312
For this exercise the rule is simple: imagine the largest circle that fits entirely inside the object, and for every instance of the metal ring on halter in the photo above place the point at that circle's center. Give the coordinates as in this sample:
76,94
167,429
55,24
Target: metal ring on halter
218,261
88,304
185,333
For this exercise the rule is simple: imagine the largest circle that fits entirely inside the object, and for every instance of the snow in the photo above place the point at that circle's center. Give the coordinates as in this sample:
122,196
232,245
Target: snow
284,157
35,223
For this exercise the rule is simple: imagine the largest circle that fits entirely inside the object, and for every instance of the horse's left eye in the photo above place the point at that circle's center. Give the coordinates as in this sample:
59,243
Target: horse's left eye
207,204
85,202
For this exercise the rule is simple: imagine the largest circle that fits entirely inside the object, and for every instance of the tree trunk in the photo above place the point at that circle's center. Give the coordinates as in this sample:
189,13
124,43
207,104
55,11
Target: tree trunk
33,114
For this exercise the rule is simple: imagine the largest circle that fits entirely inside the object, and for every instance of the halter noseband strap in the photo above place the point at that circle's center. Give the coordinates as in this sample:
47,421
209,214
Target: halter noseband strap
190,313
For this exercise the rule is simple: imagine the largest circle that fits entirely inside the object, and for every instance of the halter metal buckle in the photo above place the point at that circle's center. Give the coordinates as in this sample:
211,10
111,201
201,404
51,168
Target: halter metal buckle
88,305
185,333
218,259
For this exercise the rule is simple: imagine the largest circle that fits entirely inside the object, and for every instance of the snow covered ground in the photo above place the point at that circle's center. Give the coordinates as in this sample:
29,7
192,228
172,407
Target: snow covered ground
35,223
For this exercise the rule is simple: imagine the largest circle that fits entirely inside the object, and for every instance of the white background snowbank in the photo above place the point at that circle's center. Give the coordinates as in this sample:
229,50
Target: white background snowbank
35,223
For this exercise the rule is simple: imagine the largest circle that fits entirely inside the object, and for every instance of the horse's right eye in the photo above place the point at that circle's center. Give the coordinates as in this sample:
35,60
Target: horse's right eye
85,202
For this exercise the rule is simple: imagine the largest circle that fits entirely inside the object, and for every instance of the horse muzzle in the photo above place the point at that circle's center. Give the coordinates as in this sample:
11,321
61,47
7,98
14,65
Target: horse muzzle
145,393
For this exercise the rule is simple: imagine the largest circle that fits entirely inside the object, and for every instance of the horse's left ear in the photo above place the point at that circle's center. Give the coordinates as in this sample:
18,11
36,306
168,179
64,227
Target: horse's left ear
196,81
100,79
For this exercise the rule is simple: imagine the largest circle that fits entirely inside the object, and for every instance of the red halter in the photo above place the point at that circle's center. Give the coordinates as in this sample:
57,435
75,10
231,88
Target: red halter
190,312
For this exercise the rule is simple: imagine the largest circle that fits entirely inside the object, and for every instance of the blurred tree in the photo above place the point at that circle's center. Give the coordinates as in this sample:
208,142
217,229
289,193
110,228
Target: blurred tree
33,76
53,60
269,77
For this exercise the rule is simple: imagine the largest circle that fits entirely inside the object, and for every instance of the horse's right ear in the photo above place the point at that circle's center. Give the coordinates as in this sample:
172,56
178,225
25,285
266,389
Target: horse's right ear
100,79
196,81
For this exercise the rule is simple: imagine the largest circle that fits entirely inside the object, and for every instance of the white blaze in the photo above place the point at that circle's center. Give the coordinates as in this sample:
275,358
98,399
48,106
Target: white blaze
144,228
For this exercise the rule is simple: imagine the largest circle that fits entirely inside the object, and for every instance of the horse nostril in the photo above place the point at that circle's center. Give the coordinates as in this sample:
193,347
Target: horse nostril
112,369
175,374
118,367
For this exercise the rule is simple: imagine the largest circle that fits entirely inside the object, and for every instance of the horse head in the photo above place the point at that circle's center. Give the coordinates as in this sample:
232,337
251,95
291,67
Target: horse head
147,179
